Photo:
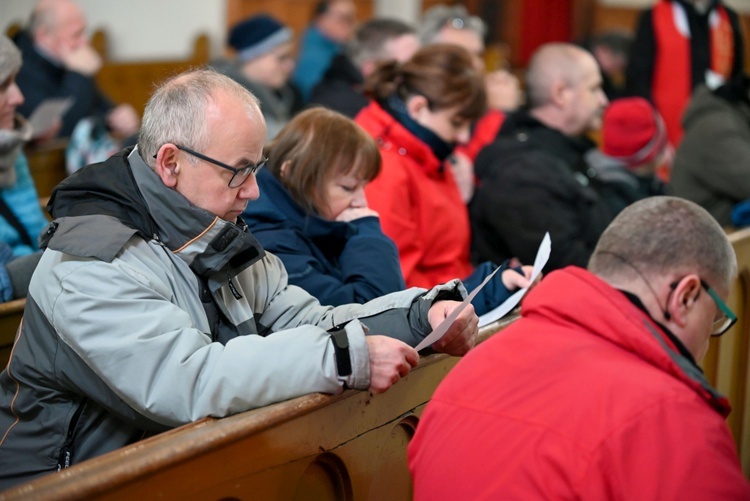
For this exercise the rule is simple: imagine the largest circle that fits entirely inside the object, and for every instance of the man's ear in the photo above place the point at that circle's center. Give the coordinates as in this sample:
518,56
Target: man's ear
683,299
559,93
416,106
368,67
167,165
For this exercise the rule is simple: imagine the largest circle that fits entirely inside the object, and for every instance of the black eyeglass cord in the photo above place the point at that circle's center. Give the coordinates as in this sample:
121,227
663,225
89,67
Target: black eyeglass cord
667,315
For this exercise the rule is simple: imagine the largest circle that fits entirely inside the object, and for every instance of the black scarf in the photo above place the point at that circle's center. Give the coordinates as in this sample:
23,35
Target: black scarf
397,108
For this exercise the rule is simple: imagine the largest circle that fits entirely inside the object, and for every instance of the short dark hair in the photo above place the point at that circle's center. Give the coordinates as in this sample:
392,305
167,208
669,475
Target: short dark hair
662,234
371,36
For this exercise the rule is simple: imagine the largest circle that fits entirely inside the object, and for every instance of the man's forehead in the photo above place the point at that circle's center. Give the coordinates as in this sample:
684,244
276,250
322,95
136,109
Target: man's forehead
465,38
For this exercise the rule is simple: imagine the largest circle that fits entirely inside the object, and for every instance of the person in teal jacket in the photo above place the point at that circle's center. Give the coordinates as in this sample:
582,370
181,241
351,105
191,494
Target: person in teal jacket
21,217
333,25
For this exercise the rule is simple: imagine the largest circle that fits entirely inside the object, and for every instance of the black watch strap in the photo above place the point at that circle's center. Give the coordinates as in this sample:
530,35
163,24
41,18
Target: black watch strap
341,347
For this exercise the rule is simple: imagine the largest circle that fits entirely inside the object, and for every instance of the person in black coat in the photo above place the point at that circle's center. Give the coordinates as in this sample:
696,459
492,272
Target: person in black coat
533,178
58,62
376,40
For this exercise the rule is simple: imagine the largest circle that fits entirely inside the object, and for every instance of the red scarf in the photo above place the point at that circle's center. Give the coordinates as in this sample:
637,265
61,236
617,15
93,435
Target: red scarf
672,85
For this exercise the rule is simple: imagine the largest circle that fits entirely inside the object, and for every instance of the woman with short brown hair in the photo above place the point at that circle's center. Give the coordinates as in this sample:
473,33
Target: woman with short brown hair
313,214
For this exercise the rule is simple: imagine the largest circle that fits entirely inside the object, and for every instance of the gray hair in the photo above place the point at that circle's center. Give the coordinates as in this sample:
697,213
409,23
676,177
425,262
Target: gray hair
659,235
175,112
44,15
10,58
550,63
371,37
440,16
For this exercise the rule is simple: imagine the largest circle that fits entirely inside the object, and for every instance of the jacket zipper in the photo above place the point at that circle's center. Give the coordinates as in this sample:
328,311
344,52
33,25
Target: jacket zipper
65,460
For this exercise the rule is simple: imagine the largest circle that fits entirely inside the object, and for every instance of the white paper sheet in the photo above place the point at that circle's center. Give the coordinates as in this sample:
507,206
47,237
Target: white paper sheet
542,256
441,329
48,111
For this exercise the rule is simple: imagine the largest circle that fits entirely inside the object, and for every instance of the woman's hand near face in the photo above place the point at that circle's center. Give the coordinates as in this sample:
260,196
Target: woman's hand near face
352,213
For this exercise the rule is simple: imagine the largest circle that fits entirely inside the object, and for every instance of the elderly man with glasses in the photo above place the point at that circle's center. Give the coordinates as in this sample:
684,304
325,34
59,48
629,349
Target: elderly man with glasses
154,306
596,393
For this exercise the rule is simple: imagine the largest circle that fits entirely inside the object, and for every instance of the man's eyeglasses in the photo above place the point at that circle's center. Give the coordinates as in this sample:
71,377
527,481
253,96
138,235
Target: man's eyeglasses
727,319
239,176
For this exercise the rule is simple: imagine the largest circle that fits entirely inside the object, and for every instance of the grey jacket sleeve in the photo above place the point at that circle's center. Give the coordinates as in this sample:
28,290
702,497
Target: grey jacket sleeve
401,315
125,322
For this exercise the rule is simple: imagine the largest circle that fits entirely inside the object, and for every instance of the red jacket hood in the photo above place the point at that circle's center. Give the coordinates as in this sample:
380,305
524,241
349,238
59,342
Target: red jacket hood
612,316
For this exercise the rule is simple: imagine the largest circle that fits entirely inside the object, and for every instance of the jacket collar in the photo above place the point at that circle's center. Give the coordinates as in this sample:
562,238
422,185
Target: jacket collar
523,127
393,137
126,188
611,315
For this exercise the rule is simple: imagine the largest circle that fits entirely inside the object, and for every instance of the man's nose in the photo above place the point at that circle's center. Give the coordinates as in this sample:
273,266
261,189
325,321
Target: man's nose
249,189
603,99
15,96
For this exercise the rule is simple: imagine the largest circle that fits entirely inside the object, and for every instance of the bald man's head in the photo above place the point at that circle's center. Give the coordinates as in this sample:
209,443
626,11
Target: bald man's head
58,26
563,84
552,63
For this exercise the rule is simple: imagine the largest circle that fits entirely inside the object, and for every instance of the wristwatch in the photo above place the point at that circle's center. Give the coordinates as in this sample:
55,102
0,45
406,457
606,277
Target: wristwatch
341,347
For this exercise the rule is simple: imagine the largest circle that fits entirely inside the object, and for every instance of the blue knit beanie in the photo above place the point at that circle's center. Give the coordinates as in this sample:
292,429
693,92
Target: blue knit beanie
258,35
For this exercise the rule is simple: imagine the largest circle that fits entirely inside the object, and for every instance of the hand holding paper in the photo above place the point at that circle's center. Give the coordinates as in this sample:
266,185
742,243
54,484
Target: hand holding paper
461,335
439,331
48,114
542,256
447,325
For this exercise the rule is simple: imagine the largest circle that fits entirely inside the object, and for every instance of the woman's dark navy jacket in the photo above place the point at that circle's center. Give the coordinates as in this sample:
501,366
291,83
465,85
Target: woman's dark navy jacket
337,262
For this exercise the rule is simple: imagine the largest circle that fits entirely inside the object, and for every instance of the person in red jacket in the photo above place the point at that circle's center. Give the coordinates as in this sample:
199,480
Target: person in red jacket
420,110
596,393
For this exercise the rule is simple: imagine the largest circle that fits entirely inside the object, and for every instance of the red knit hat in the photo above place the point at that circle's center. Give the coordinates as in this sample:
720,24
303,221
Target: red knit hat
633,131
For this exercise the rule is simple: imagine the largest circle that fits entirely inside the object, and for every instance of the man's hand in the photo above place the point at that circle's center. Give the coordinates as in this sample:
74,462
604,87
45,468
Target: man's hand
390,360
84,60
123,121
512,280
461,335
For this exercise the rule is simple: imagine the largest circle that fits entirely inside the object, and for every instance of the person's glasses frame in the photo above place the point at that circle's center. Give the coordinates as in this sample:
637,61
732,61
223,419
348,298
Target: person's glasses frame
728,318
240,174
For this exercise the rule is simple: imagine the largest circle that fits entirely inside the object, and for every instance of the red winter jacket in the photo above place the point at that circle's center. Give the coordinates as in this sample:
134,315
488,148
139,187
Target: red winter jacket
419,204
585,398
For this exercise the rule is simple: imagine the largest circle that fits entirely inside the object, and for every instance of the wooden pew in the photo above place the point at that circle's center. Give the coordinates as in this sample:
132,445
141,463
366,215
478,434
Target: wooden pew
134,81
10,318
47,165
727,363
349,446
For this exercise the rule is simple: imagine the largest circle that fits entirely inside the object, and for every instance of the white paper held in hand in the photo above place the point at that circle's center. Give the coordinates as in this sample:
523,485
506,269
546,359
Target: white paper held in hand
441,329
48,111
542,256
